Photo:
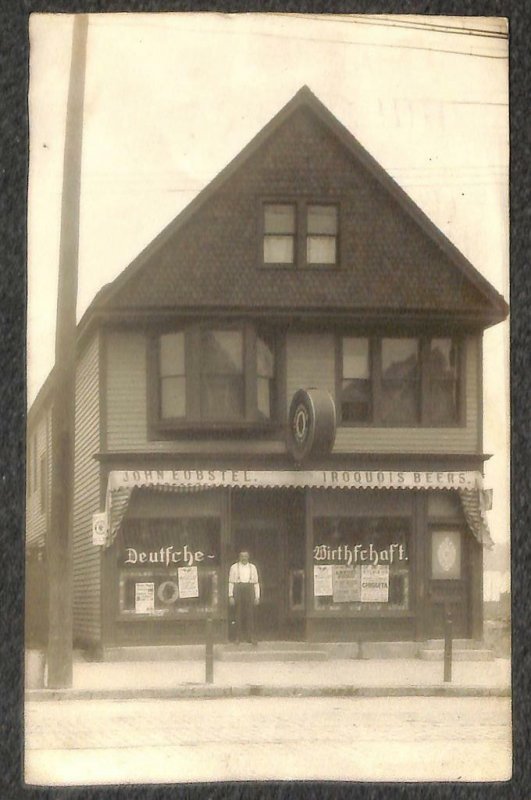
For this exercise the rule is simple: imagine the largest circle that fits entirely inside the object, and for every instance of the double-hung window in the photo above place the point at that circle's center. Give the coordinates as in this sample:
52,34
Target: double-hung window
321,235
279,233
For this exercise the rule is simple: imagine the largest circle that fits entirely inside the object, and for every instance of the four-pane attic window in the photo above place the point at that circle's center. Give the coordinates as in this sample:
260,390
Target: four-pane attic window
300,234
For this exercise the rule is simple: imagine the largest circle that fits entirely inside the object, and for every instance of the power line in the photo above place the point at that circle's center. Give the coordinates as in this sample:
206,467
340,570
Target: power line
321,40
386,23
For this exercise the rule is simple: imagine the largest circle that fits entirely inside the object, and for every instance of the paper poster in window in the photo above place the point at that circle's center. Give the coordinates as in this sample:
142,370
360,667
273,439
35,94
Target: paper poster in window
374,584
347,584
323,581
188,582
144,598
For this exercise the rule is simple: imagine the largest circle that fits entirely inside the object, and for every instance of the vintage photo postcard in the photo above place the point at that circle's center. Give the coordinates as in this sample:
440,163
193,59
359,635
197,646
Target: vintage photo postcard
267,529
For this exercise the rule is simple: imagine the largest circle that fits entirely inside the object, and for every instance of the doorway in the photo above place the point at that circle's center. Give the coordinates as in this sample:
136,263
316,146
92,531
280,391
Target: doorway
262,523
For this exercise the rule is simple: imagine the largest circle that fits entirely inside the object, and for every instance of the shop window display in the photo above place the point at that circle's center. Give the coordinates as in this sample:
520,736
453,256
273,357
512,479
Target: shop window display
169,567
361,563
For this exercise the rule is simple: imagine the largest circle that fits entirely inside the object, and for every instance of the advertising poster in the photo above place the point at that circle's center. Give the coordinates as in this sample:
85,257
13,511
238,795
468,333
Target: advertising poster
347,584
374,584
144,598
188,582
323,580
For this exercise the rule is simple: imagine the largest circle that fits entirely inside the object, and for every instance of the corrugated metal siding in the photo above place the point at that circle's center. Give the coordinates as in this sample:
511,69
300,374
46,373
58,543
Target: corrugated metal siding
87,621
36,517
311,362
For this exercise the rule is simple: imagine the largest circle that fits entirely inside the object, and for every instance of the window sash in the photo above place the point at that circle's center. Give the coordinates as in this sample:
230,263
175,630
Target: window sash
405,394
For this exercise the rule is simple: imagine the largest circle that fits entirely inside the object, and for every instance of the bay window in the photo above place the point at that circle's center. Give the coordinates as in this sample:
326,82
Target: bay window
218,375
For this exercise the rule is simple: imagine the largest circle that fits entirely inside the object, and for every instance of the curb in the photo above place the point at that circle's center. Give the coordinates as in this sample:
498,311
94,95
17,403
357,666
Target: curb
251,690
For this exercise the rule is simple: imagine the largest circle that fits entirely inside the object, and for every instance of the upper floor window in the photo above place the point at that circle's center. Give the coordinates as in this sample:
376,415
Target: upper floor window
213,375
400,381
442,380
172,374
300,234
321,235
356,380
279,233
222,390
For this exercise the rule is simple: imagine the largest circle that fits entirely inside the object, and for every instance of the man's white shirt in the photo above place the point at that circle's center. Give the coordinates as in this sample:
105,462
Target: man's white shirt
244,573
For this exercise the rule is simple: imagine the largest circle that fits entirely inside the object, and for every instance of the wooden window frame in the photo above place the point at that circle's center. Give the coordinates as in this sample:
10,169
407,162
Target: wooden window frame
252,420
301,205
43,482
375,362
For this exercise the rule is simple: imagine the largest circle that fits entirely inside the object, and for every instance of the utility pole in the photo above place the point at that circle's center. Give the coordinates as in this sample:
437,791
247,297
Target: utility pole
59,535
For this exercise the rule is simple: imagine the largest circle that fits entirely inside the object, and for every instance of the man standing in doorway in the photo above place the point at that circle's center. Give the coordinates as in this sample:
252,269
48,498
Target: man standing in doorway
244,595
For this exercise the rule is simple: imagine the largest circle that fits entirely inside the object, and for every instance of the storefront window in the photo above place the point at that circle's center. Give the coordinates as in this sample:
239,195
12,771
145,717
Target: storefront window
169,567
361,563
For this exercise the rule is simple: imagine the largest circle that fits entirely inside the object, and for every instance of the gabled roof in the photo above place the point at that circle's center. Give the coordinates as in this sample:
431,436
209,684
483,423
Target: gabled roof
400,261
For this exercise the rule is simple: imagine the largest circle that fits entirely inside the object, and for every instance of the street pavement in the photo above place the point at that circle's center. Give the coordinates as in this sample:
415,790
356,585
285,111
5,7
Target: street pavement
106,677
364,739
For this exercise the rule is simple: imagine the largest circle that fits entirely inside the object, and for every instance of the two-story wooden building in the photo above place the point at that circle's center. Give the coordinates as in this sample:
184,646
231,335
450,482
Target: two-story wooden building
303,265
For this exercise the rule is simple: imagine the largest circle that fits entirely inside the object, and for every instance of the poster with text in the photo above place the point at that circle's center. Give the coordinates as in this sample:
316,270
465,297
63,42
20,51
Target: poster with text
347,584
374,584
188,582
322,580
144,598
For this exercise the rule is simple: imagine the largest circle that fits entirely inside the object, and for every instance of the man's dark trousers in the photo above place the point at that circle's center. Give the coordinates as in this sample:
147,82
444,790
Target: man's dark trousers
244,608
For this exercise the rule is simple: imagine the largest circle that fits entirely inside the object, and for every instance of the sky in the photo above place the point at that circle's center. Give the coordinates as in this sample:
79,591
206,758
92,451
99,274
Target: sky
170,99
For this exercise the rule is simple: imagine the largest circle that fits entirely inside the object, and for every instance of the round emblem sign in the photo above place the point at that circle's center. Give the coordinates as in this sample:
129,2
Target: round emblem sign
311,423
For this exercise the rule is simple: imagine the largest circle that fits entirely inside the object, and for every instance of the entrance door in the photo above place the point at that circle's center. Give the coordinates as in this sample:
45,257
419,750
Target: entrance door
258,526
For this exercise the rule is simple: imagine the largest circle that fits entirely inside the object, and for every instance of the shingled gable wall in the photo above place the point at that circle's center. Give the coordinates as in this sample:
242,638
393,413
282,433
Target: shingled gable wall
388,261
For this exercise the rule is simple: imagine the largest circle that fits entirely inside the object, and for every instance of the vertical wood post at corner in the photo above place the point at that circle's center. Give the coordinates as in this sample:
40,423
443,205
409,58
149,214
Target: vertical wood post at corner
59,533
209,651
448,625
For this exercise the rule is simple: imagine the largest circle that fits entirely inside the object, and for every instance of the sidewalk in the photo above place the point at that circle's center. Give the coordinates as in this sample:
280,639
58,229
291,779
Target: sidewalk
389,677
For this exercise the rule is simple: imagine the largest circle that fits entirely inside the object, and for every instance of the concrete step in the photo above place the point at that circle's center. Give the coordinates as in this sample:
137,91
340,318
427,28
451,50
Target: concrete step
466,654
258,656
382,650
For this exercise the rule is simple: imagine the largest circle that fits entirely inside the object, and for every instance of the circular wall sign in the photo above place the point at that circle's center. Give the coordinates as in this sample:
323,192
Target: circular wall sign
311,423
168,592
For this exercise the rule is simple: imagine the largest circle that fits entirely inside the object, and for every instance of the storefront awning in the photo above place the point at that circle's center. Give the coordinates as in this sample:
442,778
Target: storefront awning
468,484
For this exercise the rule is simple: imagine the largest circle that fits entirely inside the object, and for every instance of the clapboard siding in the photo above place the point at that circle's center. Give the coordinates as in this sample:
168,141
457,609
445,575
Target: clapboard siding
86,557
38,445
311,363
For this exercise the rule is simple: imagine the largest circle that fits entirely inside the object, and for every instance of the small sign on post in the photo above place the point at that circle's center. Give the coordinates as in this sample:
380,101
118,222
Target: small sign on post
99,528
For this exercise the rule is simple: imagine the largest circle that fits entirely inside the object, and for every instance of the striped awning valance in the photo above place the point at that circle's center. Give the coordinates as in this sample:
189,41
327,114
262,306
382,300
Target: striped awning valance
468,484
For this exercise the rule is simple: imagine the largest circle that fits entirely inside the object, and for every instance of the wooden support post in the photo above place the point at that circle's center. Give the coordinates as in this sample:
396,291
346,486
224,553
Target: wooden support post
448,625
209,652
59,534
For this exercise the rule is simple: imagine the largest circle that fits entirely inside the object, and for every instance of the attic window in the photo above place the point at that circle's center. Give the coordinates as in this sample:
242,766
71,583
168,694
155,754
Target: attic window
321,235
300,234
279,233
